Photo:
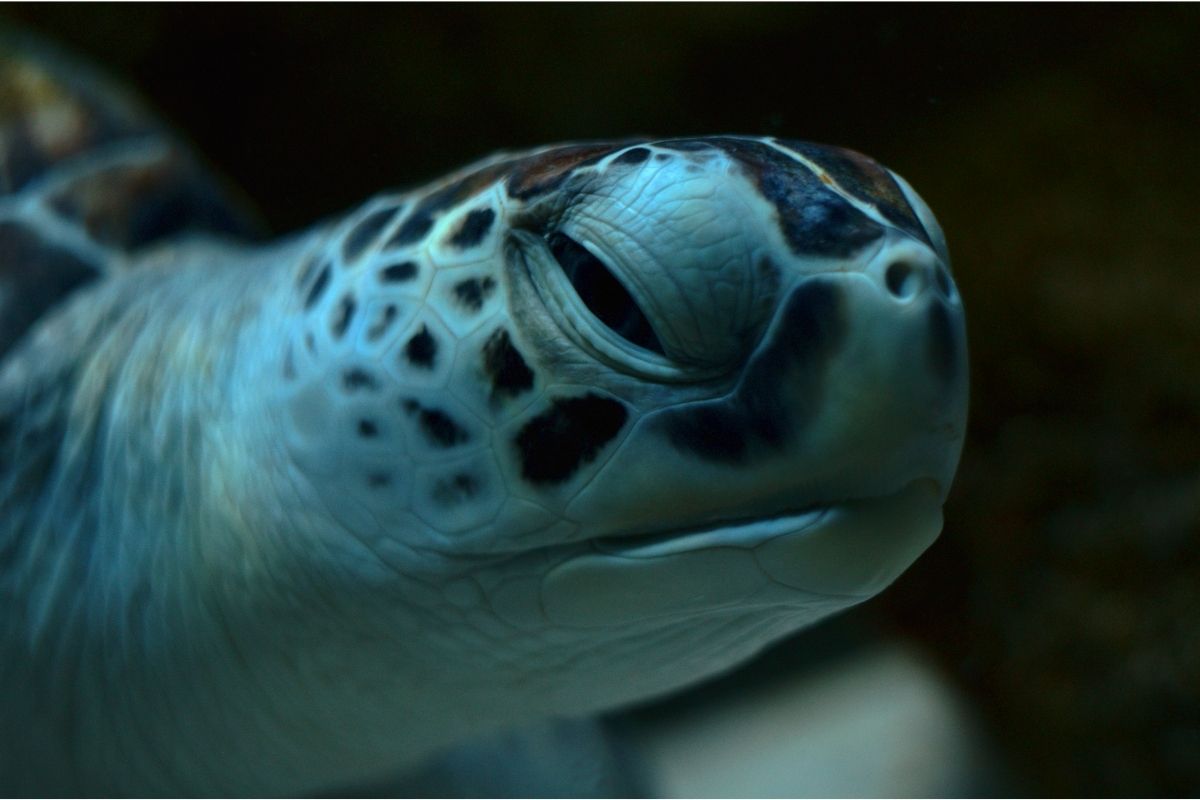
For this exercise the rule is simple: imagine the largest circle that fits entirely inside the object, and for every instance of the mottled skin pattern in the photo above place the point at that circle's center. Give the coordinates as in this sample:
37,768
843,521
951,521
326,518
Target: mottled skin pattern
564,430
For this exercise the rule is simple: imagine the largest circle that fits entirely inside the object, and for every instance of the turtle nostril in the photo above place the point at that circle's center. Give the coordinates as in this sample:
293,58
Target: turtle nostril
902,280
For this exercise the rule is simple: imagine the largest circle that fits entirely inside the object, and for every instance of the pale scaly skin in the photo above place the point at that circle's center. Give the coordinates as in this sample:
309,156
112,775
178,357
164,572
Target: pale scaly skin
278,519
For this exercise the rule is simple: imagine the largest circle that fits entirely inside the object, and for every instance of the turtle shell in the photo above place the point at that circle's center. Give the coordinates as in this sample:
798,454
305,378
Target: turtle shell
88,178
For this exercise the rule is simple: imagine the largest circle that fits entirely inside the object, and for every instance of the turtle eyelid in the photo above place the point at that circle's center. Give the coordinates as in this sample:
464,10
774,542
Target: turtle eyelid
602,293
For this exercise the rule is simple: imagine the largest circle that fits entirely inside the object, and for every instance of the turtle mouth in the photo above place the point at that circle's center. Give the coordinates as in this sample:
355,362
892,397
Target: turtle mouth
834,554
743,532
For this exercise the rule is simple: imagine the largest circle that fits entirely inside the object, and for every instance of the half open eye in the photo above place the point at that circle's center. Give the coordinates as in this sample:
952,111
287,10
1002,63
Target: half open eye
602,293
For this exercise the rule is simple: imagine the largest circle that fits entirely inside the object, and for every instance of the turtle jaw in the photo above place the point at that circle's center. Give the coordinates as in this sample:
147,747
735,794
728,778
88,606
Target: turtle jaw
836,554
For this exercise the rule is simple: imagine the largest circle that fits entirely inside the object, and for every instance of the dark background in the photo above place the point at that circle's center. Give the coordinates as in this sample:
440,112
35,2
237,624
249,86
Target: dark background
1058,146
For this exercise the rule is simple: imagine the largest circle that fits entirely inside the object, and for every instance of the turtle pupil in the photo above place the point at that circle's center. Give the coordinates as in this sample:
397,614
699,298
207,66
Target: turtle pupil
602,293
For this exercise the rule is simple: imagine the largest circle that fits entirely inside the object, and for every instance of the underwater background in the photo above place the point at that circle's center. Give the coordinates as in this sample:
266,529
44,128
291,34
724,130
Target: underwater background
1059,147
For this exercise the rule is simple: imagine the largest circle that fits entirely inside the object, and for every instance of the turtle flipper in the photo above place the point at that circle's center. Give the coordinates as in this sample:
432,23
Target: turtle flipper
88,178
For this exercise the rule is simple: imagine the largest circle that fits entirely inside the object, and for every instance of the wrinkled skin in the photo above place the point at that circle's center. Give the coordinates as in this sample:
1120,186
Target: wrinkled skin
562,431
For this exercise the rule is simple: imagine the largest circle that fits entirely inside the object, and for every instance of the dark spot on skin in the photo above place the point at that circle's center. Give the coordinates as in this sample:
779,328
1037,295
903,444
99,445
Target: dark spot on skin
365,232
357,378
449,197
715,431
378,480
441,429
381,323
661,157
438,427
814,219
503,363
779,392
367,429
306,272
635,155
556,443
943,341
413,229
438,202
474,227
342,316
318,287
421,350
310,342
398,273
456,490
473,292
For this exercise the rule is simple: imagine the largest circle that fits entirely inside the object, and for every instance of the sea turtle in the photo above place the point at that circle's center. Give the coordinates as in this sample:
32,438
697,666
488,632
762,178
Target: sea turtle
565,429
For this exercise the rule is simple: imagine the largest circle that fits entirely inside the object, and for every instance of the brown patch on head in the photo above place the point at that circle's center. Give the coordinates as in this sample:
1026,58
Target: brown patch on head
527,176
866,176
544,172
865,179
814,219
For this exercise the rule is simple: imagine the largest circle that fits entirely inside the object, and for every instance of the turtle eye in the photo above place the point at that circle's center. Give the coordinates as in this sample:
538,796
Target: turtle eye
602,293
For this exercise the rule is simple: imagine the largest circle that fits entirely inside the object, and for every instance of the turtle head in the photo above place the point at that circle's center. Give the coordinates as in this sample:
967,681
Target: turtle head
628,412
765,327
